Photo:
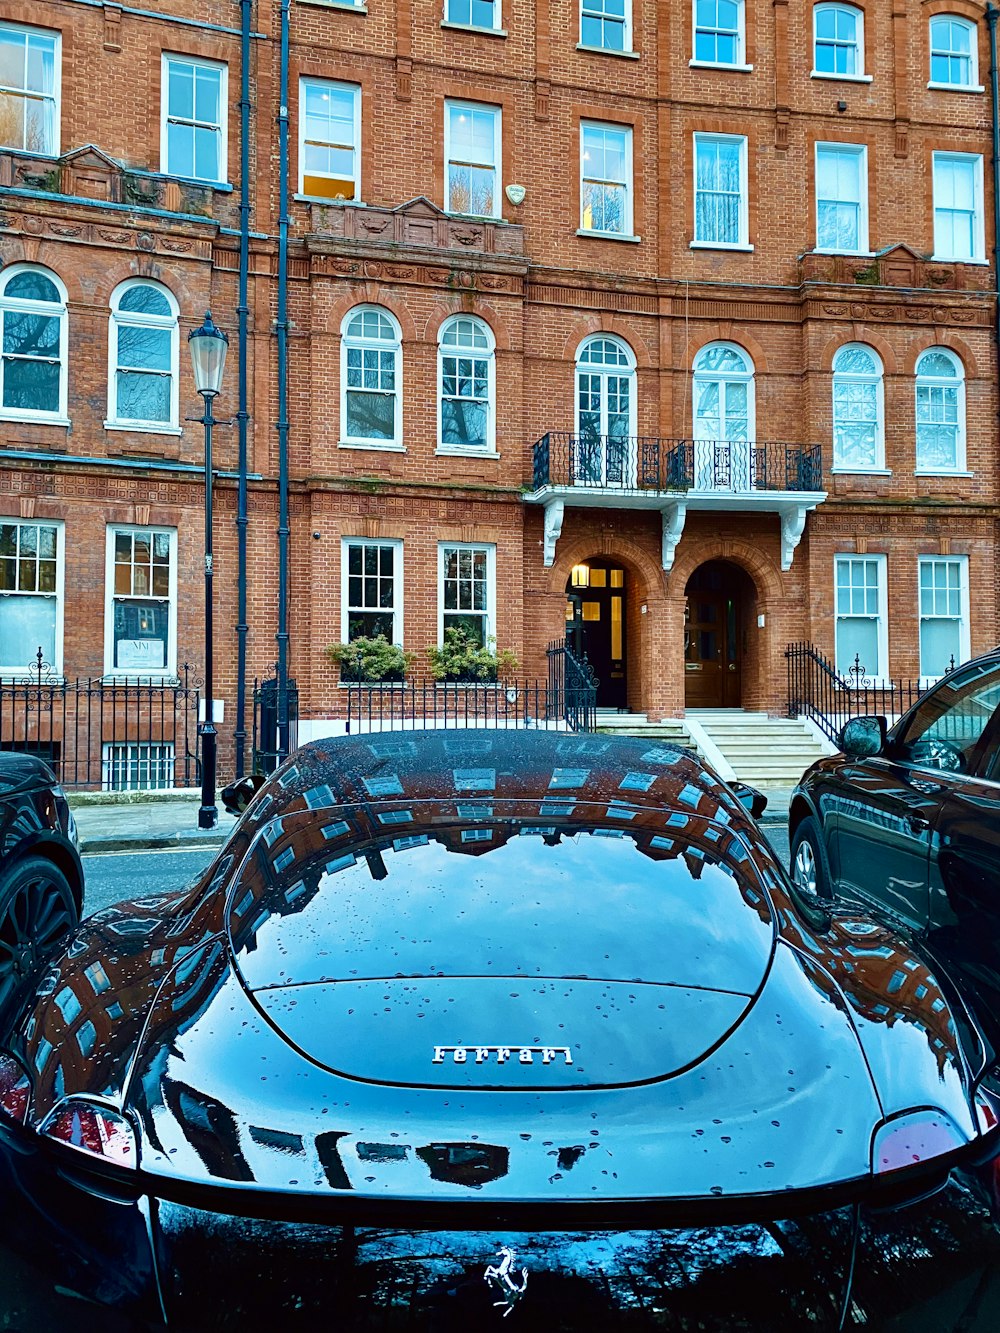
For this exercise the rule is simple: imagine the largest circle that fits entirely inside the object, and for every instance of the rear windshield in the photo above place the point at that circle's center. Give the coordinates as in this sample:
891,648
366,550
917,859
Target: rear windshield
395,891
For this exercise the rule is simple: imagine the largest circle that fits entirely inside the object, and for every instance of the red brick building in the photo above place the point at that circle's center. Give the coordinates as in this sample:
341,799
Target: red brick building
677,322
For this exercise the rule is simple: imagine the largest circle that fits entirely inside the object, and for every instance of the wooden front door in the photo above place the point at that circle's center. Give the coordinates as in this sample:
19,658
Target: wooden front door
712,676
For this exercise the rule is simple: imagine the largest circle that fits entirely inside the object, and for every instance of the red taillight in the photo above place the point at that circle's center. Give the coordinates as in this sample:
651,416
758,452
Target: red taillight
93,1129
986,1112
15,1089
911,1139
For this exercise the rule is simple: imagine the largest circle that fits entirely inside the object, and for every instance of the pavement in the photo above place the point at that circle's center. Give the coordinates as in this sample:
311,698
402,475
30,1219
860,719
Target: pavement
169,820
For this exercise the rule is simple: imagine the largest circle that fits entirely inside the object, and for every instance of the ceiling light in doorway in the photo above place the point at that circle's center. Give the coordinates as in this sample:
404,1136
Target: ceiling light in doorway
580,576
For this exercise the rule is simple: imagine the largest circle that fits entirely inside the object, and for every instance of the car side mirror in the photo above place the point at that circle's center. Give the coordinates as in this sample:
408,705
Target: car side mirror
750,798
863,737
238,795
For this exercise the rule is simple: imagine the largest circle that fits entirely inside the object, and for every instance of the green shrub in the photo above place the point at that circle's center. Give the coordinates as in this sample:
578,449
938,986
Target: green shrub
462,658
372,659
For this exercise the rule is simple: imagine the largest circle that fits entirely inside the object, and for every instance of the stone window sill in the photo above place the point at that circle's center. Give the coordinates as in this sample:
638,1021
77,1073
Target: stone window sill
606,51
722,245
474,27
841,78
377,448
607,235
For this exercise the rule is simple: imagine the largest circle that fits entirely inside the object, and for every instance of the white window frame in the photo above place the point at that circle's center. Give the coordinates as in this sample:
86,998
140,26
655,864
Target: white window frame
934,382
878,379
489,617
112,761
628,224
30,31
860,152
346,544
743,218
979,234
223,127
964,649
347,341
458,104
973,86
490,446
21,669
118,319
307,81
881,617
22,305
594,9
859,46
170,669
741,41
495,26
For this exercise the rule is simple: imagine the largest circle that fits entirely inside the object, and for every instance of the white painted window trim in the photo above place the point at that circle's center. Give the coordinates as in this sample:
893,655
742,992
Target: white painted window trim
346,341
457,104
973,86
355,90
108,761
223,68
964,640
496,26
588,368
861,152
397,583
20,670
743,222
627,232
118,319
859,45
879,468
626,31
22,305
936,381
491,584
882,619
741,40
722,378
979,239
472,450
56,83
170,670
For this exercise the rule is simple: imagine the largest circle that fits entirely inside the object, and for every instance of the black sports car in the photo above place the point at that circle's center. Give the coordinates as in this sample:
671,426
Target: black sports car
463,1026
41,878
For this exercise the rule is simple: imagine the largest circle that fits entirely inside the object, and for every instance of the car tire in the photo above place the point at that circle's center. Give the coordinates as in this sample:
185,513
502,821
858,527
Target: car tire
37,908
808,868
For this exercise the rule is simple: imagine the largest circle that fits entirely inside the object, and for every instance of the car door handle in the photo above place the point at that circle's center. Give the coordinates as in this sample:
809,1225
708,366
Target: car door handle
917,823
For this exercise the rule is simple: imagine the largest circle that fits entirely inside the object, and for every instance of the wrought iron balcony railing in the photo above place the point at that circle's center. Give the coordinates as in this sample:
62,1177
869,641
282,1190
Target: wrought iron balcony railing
647,463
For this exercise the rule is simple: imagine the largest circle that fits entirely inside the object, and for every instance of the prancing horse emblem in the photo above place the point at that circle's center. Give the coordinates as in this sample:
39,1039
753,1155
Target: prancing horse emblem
498,1276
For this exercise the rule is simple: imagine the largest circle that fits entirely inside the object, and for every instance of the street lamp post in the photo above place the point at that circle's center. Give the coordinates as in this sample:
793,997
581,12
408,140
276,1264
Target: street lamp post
208,358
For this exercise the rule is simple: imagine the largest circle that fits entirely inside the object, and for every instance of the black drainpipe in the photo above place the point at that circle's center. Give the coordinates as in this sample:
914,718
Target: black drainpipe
281,328
242,416
992,14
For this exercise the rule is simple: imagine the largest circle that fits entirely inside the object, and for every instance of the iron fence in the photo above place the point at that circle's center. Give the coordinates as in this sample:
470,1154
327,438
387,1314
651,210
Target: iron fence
267,754
647,463
105,733
818,691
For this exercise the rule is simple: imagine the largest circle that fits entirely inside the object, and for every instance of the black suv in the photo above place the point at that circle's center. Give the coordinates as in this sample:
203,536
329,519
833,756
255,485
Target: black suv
908,819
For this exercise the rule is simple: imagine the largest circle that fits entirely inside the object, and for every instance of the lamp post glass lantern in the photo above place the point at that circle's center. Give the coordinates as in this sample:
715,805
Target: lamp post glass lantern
208,360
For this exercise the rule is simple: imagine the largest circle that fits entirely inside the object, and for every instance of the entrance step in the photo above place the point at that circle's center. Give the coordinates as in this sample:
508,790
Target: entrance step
764,751
671,729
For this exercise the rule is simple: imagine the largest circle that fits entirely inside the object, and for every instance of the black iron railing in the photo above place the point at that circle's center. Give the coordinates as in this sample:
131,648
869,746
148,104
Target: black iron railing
567,699
109,733
647,463
818,691
267,753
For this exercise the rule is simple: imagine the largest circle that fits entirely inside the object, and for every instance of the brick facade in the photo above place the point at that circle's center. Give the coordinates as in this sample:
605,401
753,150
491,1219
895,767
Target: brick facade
99,211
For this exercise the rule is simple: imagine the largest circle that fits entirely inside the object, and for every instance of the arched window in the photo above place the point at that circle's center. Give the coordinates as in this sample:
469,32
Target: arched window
33,363
838,41
954,53
858,417
724,426
370,376
940,412
142,357
466,384
605,410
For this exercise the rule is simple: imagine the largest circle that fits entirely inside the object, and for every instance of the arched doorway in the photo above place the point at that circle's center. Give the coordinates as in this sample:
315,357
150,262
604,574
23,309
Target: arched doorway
595,626
720,599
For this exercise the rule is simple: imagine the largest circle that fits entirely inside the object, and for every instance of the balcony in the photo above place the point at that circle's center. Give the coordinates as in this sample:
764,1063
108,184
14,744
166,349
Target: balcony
675,477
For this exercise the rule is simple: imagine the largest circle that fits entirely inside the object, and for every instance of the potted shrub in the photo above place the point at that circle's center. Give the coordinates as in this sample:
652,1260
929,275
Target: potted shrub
462,658
370,659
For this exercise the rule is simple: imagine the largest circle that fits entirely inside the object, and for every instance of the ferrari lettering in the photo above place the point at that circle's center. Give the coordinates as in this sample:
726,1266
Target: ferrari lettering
525,1055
